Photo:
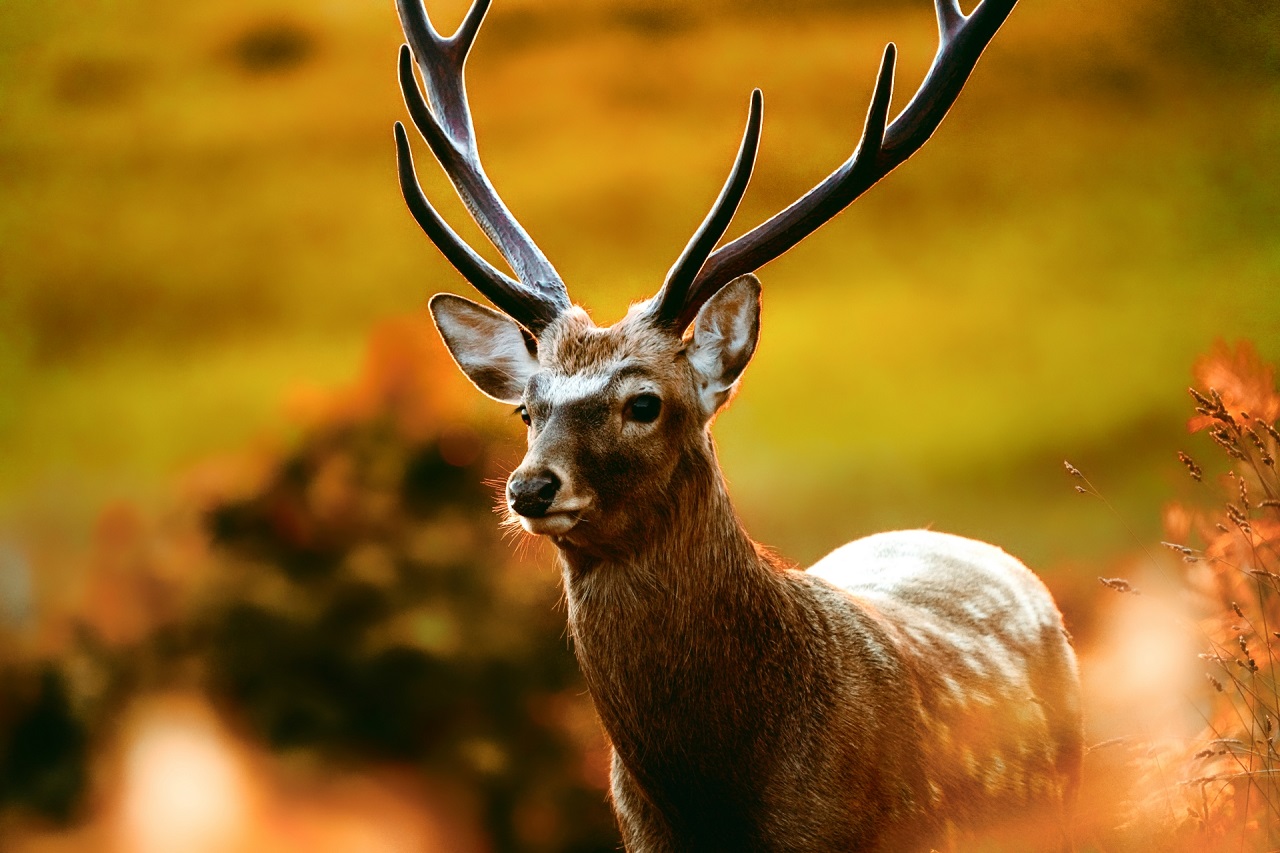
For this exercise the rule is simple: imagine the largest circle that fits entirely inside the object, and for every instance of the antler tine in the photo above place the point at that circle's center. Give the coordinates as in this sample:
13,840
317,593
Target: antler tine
671,299
503,291
880,150
539,295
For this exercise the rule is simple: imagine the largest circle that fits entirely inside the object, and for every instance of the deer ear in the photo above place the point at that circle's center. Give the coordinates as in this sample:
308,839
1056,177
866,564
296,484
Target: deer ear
493,350
724,339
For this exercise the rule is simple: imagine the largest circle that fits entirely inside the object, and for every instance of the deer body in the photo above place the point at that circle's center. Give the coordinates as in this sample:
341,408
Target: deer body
908,685
782,713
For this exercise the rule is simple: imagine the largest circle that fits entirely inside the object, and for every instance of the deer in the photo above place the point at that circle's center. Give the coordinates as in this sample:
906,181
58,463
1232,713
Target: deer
909,687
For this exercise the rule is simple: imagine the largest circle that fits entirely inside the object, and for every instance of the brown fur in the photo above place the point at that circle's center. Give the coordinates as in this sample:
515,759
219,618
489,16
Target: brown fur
909,684
751,706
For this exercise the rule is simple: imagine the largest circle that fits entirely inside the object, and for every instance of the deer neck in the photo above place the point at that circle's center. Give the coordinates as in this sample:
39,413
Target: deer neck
689,557
682,638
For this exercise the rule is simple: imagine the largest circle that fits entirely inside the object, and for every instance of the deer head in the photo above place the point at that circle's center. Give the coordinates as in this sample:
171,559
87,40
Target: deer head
617,414
614,413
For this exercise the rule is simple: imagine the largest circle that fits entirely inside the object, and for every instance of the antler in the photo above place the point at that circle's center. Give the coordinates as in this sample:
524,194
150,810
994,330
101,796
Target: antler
675,290
539,295
961,40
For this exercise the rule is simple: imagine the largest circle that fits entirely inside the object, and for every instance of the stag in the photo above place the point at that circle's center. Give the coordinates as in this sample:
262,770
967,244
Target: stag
908,686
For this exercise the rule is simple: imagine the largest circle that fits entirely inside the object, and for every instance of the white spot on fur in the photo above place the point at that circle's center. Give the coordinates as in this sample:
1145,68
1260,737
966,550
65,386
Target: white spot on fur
561,390
969,762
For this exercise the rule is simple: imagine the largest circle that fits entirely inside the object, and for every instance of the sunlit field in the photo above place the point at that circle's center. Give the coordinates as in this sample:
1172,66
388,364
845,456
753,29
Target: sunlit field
212,306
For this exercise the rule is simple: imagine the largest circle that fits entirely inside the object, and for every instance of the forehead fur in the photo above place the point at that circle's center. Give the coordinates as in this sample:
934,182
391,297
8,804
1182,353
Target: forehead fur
574,344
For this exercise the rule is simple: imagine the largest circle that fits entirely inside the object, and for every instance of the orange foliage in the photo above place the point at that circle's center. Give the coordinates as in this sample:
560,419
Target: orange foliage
140,568
1243,382
1231,780
345,597
402,376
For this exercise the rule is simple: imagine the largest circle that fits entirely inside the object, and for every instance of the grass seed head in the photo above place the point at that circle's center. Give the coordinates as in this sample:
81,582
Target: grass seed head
1192,468
1120,585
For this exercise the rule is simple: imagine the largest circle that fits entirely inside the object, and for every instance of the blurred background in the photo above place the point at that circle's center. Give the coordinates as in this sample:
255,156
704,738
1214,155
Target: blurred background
253,595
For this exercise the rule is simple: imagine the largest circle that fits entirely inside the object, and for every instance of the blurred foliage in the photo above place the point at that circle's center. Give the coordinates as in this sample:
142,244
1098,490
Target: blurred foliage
1211,598
201,211
44,752
369,623
357,605
1236,37
201,218
1230,542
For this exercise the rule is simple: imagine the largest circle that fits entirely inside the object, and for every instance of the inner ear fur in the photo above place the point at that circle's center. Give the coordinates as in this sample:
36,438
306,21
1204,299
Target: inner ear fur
724,338
495,352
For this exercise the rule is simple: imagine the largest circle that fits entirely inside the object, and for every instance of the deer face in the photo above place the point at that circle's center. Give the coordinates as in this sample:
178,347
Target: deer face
612,412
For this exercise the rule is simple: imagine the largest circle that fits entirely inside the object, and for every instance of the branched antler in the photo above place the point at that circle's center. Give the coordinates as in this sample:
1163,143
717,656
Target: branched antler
881,149
538,295
444,120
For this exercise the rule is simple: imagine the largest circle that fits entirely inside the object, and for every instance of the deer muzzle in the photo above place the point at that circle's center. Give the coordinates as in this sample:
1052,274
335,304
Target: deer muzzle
531,495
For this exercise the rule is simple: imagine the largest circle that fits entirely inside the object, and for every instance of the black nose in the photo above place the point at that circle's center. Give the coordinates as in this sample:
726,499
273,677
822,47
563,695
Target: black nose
533,496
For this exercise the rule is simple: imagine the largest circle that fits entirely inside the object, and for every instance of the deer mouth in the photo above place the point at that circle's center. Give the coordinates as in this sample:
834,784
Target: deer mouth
551,524
557,521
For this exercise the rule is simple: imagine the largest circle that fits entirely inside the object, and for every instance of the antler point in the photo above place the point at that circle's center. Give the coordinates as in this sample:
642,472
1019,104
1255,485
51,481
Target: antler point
462,40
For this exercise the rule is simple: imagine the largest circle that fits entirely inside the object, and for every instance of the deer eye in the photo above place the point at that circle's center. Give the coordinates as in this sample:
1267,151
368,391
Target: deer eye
523,412
643,408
